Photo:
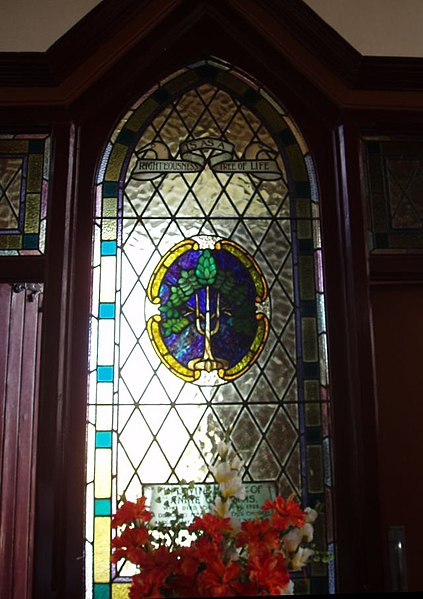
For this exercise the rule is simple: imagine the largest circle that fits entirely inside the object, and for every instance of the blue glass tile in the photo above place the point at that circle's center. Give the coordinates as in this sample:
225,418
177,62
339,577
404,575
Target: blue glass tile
107,311
108,248
105,374
331,570
102,507
30,242
110,189
103,439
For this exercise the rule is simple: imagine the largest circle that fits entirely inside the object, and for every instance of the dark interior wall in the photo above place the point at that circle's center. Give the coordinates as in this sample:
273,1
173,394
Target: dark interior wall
398,349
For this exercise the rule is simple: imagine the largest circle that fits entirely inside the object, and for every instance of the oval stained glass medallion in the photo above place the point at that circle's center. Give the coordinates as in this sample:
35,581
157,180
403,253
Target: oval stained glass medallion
213,310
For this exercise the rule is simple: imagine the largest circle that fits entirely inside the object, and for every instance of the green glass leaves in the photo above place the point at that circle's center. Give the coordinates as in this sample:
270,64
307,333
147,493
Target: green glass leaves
206,269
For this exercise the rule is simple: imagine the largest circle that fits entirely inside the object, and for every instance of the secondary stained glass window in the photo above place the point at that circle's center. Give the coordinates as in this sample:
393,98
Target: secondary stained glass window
208,308
24,176
394,186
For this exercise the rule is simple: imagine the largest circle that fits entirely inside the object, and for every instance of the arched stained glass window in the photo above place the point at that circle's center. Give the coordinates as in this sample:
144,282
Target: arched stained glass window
208,306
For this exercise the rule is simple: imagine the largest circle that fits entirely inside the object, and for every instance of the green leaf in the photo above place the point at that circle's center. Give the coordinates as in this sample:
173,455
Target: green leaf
206,270
174,325
177,296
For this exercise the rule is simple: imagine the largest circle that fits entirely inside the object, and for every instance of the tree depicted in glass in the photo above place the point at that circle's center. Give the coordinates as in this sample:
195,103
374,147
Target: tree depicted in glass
213,310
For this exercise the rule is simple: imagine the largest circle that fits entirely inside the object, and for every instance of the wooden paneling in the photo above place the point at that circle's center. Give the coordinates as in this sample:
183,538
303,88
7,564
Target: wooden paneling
398,347
20,325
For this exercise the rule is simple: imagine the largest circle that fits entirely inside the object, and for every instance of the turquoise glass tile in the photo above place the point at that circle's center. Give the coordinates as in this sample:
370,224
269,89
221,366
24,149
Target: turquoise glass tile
108,248
101,591
103,439
102,507
105,374
106,310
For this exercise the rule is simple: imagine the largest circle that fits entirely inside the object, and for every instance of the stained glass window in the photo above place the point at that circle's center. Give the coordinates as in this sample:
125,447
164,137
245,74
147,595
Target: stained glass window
394,186
208,306
24,176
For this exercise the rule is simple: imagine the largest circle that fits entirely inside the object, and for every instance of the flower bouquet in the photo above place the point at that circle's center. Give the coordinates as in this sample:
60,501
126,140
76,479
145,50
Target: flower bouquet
216,555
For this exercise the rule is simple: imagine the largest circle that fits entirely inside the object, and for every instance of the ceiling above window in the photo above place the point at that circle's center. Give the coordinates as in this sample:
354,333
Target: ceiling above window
372,27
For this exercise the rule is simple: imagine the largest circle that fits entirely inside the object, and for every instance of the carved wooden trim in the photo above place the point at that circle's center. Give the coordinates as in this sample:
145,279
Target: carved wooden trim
128,21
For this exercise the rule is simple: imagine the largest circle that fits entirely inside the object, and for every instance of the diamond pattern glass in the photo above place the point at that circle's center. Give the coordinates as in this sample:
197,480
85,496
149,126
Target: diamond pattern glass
212,160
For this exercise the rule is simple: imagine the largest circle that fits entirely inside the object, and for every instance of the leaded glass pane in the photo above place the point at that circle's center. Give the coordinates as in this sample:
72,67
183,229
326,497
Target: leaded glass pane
208,307
394,186
24,178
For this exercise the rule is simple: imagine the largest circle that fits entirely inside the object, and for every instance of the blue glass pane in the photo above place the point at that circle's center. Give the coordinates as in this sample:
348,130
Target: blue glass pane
105,374
107,311
108,248
30,242
102,507
103,439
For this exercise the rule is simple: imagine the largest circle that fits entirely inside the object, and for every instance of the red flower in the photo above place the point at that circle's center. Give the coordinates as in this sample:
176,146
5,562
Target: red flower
183,586
207,549
268,574
286,513
259,536
131,512
220,579
156,567
201,551
144,586
129,545
161,560
212,525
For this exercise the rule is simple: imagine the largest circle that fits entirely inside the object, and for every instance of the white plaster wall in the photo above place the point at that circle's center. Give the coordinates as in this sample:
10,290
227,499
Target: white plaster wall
376,27
373,27
34,25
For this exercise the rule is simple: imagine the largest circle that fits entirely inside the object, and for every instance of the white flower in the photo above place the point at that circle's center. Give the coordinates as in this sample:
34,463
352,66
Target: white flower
300,558
223,472
292,540
233,488
222,450
221,507
311,514
307,532
288,590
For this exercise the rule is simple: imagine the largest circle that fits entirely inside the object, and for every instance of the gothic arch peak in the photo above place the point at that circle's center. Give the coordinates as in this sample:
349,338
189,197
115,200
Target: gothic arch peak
132,31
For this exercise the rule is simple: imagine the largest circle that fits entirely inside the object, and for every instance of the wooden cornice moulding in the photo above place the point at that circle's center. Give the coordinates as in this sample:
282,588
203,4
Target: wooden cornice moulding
113,29
89,48
396,268
390,73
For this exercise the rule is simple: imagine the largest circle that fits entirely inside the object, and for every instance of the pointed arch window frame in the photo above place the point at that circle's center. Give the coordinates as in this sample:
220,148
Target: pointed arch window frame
307,258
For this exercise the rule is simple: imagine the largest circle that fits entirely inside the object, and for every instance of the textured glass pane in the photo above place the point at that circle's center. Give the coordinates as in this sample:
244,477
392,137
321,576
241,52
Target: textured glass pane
207,317
394,182
24,179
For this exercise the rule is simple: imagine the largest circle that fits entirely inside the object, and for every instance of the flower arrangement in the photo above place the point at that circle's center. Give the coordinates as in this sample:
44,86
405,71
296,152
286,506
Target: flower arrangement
218,555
